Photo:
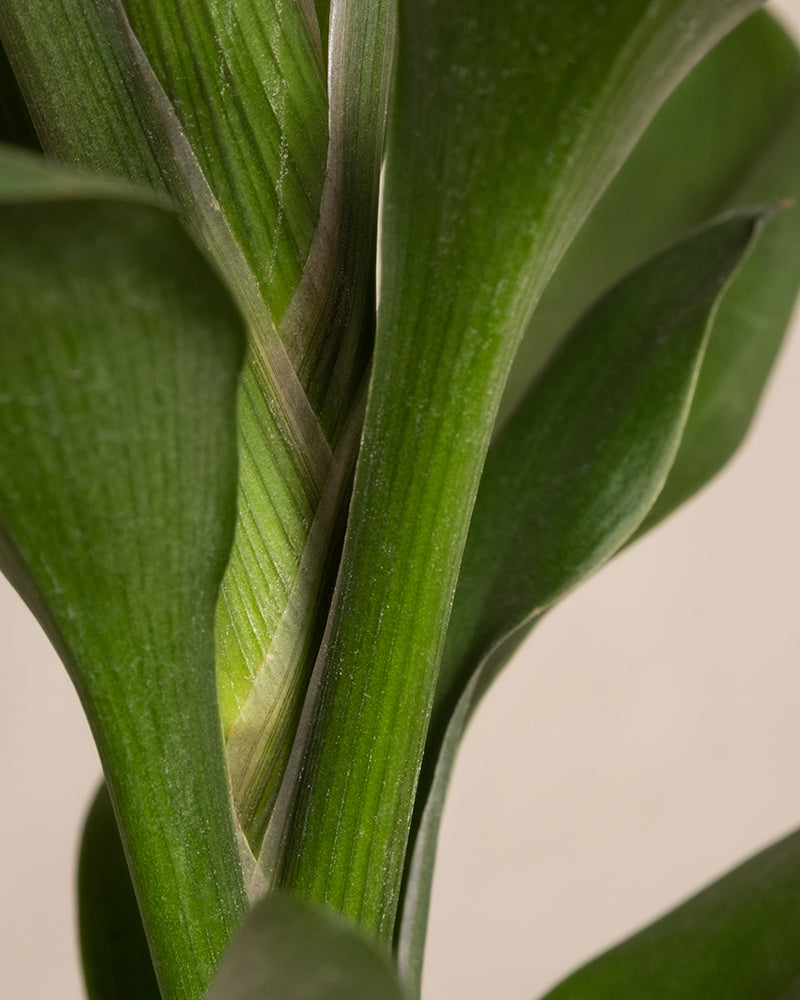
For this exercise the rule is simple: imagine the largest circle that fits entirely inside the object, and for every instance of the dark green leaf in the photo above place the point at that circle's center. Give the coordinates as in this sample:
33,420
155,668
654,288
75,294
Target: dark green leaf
288,949
739,939
16,126
685,170
121,352
749,327
508,122
114,952
568,480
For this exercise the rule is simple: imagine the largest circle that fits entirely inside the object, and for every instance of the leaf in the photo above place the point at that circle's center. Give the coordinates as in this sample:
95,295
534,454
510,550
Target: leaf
494,160
288,949
739,939
115,957
16,126
248,176
566,483
709,108
273,603
749,330
121,353
247,84
686,169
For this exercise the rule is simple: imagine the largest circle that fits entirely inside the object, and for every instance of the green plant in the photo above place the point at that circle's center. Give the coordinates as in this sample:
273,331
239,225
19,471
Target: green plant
278,655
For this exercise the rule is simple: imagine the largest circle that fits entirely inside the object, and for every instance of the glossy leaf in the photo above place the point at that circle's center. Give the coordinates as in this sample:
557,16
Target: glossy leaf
494,160
290,950
567,482
739,939
117,498
114,952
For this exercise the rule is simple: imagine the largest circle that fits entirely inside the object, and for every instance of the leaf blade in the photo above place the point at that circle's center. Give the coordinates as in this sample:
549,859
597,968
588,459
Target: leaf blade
291,950
476,214
117,489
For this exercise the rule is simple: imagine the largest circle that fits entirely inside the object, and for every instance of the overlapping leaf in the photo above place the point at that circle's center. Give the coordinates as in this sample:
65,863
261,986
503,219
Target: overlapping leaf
748,327
117,498
739,939
232,118
508,121
568,480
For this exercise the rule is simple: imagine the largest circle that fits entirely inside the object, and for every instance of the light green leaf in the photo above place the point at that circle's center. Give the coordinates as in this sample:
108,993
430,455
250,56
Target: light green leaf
288,949
121,352
739,939
686,169
114,953
507,123
566,483
287,543
16,126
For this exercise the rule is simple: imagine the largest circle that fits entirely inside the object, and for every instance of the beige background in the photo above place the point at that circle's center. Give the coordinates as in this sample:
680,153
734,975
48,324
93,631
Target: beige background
646,739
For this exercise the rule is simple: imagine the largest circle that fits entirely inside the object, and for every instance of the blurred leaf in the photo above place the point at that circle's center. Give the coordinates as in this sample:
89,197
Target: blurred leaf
686,169
115,957
494,160
739,939
567,481
121,353
247,84
288,949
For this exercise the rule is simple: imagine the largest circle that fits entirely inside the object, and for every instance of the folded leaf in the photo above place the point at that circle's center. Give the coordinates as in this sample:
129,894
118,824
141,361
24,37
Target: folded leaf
121,353
568,480
508,122
739,939
290,950
114,953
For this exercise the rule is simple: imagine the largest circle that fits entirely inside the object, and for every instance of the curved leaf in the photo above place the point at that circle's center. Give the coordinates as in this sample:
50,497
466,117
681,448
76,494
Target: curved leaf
290,950
568,480
686,169
114,953
508,122
739,939
121,353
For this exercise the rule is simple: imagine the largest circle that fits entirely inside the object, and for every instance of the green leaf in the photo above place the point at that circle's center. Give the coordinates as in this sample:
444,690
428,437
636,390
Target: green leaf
116,959
287,545
739,939
686,169
121,353
749,329
566,483
290,950
507,123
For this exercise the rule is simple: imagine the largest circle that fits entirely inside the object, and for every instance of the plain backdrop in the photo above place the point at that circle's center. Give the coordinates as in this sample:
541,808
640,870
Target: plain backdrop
646,739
